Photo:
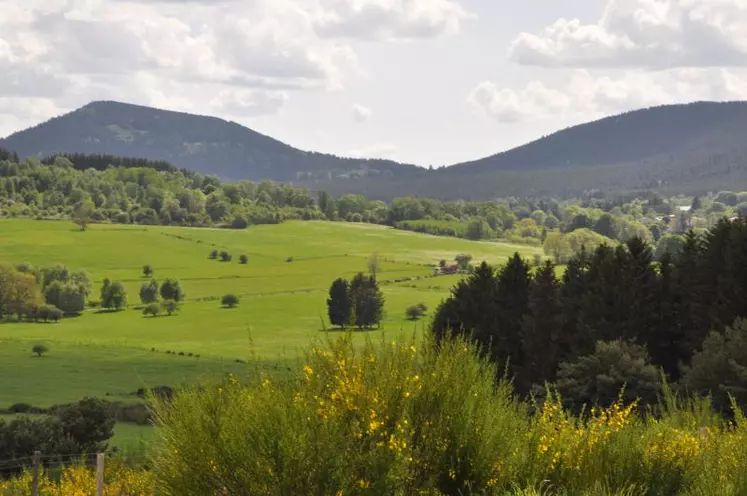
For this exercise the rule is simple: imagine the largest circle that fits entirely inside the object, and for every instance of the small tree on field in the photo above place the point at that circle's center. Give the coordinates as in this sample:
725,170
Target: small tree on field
225,256
147,271
82,213
171,289
368,301
152,309
339,304
230,301
213,254
374,265
463,261
170,306
113,295
243,259
149,292
414,312
40,349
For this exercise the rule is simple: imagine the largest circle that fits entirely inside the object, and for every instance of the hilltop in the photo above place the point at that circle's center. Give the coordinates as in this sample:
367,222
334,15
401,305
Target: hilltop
205,144
689,148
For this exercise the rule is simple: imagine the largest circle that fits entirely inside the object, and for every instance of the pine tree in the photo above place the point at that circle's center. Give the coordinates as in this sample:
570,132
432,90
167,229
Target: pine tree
471,310
339,304
541,328
665,344
574,341
512,298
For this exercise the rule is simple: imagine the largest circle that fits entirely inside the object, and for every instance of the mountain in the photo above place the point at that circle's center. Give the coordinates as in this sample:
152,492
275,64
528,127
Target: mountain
205,144
689,148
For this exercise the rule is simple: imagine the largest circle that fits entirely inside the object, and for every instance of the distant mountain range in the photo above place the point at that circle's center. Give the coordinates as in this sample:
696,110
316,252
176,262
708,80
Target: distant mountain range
691,148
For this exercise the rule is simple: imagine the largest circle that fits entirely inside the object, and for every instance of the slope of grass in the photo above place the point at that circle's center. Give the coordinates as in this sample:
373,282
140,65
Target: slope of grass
283,303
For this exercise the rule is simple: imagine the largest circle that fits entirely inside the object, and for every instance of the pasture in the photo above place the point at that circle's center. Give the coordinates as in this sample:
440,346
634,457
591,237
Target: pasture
283,291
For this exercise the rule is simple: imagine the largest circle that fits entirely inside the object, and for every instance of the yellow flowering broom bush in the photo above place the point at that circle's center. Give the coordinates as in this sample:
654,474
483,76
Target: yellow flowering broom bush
410,418
79,480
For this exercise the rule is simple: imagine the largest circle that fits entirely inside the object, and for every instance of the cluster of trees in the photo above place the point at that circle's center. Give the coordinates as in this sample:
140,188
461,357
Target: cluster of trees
615,318
359,302
42,293
80,428
170,292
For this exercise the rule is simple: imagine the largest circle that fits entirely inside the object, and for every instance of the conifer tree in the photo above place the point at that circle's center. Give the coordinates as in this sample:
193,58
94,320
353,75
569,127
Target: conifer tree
339,304
541,328
512,297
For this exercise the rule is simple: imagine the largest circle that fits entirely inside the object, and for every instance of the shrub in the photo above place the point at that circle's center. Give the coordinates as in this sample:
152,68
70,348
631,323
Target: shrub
230,301
414,312
147,271
423,307
289,259
171,289
383,419
225,256
213,254
170,306
243,259
463,261
152,309
40,349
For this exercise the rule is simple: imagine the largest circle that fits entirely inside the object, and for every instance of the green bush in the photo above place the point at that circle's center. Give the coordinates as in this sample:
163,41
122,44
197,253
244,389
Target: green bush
152,309
401,419
40,349
230,301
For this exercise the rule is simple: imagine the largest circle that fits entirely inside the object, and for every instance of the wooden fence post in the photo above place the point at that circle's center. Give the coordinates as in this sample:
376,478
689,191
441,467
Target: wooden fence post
100,474
35,476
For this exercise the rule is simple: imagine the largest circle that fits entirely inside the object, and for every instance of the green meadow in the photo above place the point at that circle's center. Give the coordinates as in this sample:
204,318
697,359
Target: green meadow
283,291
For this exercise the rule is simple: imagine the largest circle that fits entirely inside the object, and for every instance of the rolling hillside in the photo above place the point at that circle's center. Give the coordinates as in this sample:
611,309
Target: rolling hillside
690,148
205,144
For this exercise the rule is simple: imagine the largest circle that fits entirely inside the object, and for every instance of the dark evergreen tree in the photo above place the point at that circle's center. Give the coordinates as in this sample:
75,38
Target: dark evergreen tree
339,303
574,340
512,298
541,328
471,310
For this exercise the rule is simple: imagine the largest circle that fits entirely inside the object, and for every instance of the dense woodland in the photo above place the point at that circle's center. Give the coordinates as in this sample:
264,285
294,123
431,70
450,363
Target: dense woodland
615,319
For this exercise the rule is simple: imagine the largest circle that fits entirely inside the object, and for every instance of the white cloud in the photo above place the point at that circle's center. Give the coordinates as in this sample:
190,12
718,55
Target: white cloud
390,19
248,102
653,34
588,96
377,150
361,113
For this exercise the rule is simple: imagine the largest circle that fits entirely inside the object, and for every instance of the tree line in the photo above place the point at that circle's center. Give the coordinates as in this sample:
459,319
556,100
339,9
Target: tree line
615,318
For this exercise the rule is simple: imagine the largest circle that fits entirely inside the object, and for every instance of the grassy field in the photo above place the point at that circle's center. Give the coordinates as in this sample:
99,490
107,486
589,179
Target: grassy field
283,303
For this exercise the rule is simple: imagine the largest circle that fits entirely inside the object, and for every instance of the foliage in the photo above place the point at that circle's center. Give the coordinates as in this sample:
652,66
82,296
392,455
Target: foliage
396,418
229,301
599,378
339,303
414,312
147,271
40,349
170,306
225,256
152,309
89,422
149,292
171,289
720,368
243,259
367,301
113,295
463,260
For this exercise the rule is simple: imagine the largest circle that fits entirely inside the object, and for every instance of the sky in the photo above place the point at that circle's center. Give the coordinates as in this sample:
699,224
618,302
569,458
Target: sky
430,82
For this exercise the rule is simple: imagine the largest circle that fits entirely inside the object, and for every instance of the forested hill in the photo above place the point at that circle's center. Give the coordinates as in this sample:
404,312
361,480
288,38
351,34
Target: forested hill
640,135
205,144
694,149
